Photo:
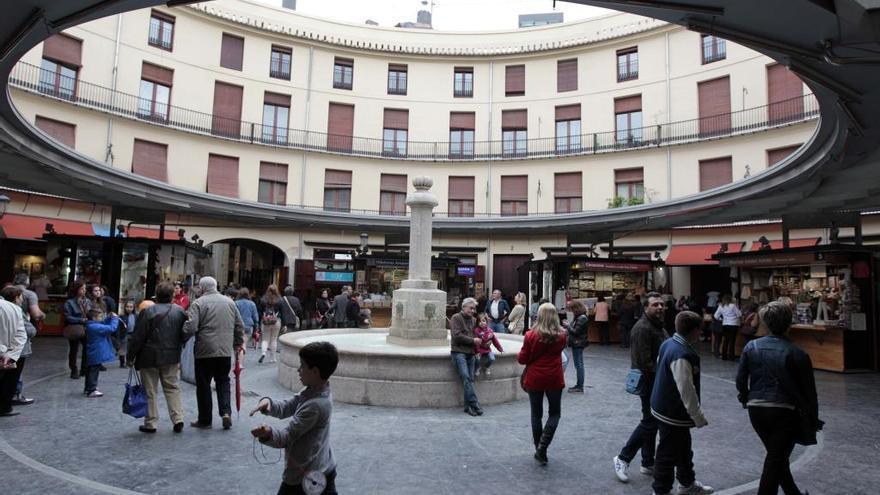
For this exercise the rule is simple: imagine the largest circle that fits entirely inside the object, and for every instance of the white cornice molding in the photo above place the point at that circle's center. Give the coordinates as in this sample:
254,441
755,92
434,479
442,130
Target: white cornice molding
283,22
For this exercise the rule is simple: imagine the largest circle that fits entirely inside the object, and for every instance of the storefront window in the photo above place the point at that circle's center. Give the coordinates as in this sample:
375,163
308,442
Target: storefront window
89,263
133,282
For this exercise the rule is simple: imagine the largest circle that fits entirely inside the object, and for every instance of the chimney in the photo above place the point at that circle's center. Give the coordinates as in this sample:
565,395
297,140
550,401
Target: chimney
289,4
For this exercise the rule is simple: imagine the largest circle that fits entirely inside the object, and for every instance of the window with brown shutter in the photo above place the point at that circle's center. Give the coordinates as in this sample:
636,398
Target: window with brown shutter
514,133
223,175
568,192
715,172
155,92
775,156
392,194
231,51
340,125
63,49
629,185
57,79
628,120
461,197
785,93
461,134
514,195
395,132
150,159
272,187
567,75
157,74
463,82
628,64
337,190
568,129
276,118
279,62
62,132
714,103
161,30
515,80
226,119
397,79
343,73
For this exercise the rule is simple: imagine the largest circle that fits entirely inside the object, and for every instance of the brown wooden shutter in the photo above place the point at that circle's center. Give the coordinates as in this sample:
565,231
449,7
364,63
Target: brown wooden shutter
393,183
157,74
337,178
629,175
231,51
628,104
567,75
64,49
277,99
515,80
340,126
461,188
715,172
343,61
282,49
227,109
276,172
514,187
397,67
779,154
568,185
568,112
223,175
396,119
514,119
62,132
785,93
462,120
150,160
714,102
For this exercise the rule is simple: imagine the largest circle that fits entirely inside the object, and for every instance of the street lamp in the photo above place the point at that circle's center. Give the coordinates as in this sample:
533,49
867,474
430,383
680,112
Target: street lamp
4,203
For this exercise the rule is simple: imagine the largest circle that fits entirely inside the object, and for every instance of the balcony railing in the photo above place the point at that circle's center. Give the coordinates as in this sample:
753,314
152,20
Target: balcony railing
27,77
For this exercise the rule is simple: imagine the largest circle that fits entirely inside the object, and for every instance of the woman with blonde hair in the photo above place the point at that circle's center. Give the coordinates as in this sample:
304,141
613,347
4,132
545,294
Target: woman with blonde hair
517,317
270,322
541,353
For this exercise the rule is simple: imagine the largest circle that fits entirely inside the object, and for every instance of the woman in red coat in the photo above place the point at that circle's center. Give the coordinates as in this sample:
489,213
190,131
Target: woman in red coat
542,354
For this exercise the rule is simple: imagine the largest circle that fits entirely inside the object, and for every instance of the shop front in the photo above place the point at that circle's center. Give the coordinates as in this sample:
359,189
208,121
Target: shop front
831,290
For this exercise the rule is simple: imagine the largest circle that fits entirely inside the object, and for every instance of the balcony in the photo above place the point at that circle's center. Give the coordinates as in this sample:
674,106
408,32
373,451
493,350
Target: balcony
26,77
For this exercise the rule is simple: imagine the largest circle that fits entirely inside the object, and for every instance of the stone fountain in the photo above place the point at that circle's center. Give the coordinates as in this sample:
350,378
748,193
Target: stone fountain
407,365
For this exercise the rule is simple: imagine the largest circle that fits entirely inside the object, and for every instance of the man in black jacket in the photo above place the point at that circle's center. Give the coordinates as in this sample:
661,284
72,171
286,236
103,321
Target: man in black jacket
154,350
646,336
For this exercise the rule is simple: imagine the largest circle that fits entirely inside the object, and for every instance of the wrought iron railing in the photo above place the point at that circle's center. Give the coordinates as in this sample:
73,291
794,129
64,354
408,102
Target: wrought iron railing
27,77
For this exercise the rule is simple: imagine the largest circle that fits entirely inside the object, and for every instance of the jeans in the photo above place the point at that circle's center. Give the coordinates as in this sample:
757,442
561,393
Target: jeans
270,340
464,365
675,458
543,435
577,355
151,377
217,369
19,384
92,372
644,437
776,426
498,326
728,341
286,489
486,360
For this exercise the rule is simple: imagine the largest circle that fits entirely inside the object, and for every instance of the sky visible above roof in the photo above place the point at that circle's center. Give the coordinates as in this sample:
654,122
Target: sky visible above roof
448,15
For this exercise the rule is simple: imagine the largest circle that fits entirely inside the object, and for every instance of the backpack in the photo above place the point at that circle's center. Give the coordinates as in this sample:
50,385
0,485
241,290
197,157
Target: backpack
269,317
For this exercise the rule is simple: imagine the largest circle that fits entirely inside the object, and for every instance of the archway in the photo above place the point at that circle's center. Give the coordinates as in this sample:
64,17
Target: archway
249,263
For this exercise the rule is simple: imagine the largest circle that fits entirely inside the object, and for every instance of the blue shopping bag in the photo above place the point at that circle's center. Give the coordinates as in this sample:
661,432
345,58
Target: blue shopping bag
134,402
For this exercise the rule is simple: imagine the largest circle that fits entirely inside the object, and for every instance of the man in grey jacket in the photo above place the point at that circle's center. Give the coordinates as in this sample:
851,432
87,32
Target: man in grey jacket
340,307
219,332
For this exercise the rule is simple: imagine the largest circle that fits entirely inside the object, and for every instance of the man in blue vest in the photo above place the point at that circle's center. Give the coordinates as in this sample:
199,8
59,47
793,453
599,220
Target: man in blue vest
675,402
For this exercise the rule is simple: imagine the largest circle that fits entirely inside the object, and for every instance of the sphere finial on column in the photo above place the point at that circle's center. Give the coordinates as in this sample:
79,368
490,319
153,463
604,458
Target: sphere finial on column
422,183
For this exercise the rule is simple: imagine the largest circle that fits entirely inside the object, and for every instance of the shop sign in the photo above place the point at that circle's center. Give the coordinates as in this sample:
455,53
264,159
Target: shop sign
334,276
466,271
611,266
771,260
388,262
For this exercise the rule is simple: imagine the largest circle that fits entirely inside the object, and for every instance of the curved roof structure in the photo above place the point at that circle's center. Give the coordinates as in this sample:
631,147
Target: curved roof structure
833,171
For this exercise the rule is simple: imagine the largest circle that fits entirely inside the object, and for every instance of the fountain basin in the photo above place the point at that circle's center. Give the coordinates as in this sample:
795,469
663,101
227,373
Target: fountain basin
374,372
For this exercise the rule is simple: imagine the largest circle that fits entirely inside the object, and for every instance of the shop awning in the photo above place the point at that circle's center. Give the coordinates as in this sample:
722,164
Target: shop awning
698,254
31,228
792,243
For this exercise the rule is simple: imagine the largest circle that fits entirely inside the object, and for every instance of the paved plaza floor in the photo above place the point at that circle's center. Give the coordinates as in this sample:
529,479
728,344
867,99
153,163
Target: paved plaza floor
67,444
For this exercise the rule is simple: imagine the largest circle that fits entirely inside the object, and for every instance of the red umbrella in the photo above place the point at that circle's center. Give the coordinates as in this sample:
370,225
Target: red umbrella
237,372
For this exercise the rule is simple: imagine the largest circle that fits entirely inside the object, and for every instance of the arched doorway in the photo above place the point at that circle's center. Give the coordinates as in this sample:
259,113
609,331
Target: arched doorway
249,263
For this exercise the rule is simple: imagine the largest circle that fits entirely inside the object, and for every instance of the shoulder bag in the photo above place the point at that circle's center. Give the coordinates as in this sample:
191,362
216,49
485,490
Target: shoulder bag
634,381
295,317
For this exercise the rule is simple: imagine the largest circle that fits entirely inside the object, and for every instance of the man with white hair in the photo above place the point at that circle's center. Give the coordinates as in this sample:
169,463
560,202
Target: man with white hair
219,331
12,340
464,345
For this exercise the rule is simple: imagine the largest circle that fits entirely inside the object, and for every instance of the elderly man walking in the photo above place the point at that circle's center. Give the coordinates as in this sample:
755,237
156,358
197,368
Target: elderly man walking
464,345
219,332
13,338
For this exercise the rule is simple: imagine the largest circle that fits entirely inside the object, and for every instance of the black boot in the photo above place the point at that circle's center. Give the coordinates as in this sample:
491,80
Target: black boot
74,374
541,455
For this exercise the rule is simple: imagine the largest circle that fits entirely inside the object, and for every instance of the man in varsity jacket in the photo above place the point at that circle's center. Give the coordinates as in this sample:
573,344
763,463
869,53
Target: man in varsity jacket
675,402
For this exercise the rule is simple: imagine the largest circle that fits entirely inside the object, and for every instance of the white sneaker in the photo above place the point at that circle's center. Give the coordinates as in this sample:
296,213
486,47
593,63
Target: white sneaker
649,471
487,372
94,394
696,488
620,469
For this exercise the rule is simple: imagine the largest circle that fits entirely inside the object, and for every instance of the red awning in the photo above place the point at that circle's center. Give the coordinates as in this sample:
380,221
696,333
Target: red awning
698,254
792,243
30,228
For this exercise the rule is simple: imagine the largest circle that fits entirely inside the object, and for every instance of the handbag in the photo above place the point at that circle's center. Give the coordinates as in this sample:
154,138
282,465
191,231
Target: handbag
134,402
634,379
74,332
295,317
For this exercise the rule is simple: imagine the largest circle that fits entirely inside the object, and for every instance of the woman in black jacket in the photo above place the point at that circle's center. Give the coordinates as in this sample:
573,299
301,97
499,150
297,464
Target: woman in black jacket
577,340
775,382
322,308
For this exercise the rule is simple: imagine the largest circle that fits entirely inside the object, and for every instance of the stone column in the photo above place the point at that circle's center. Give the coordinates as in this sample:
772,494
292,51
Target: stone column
418,315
